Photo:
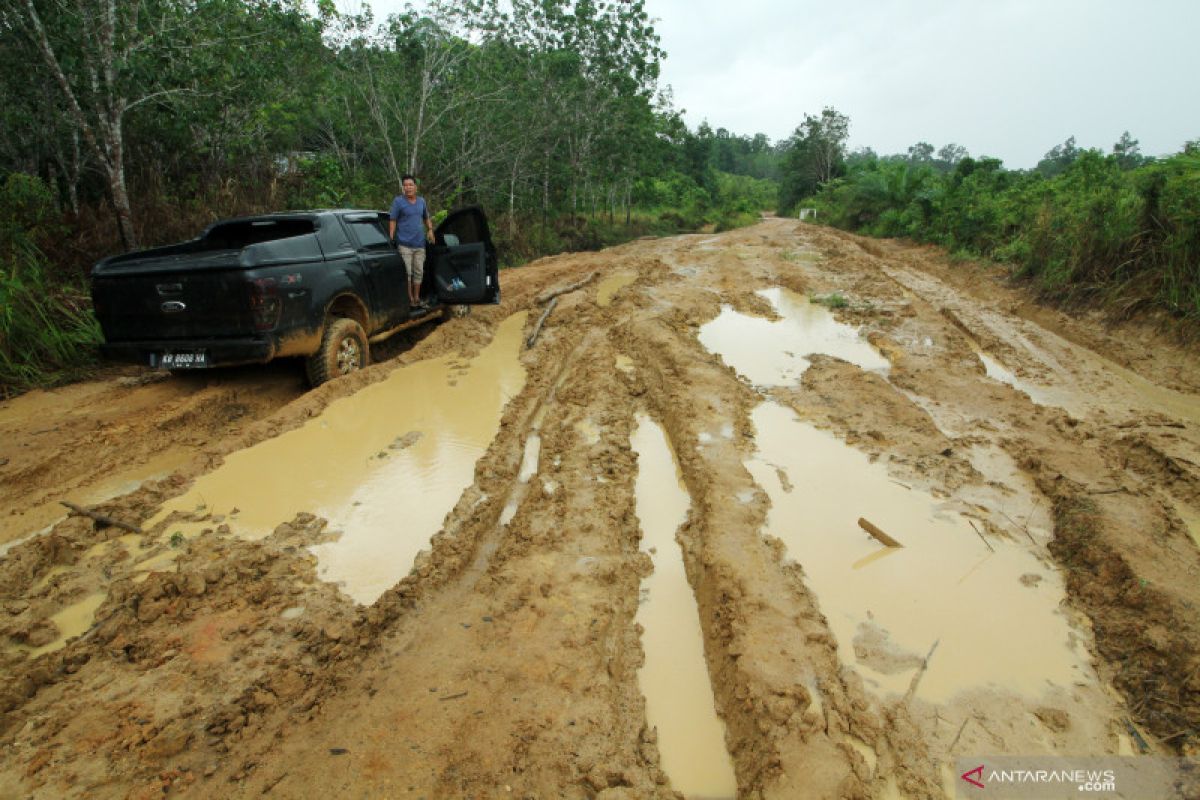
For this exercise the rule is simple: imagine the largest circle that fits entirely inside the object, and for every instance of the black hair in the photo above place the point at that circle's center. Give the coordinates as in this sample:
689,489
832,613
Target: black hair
404,178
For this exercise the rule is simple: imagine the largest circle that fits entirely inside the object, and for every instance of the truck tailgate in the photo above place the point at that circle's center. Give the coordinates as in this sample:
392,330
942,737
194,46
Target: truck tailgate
166,305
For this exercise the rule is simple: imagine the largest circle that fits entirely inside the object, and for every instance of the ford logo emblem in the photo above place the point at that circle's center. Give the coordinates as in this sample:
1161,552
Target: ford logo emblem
173,307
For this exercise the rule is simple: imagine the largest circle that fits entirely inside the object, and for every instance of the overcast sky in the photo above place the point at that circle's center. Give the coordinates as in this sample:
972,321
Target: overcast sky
1007,78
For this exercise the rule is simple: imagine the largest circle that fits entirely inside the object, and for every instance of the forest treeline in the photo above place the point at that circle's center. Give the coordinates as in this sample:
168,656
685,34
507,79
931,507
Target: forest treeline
1119,228
164,113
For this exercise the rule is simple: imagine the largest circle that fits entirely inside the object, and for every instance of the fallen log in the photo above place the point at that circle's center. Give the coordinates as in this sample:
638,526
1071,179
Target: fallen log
878,534
546,297
537,329
103,519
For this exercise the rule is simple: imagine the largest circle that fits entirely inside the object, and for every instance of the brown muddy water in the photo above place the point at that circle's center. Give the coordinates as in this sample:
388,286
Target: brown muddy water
39,519
1042,395
981,618
1068,378
772,352
1191,520
71,621
674,679
383,465
530,459
611,285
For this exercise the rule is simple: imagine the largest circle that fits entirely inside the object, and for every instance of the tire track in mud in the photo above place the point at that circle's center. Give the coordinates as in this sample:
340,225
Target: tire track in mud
1129,561
506,662
559,582
789,715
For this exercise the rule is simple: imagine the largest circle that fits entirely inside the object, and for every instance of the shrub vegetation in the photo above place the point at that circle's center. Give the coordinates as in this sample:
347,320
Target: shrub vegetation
1116,228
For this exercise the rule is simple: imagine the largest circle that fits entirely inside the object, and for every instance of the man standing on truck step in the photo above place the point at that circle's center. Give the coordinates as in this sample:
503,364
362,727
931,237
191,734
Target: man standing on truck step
407,215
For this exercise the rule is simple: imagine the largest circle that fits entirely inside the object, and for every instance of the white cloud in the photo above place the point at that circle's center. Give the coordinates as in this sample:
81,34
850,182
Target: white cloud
1009,78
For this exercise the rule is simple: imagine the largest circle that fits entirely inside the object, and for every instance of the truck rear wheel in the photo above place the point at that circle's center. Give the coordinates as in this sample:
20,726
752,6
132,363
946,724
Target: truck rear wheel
344,349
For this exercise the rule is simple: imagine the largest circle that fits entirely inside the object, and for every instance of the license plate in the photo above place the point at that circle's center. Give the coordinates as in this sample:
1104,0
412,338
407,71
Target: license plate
186,359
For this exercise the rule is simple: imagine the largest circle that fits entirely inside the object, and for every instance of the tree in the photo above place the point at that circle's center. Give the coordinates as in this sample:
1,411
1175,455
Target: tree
815,154
1058,158
920,153
107,59
1127,153
949,156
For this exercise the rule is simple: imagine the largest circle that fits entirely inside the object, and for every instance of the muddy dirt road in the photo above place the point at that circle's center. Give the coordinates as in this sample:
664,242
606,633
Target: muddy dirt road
631,561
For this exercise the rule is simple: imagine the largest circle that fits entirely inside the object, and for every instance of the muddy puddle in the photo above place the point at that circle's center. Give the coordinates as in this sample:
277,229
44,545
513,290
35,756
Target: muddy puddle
71,621
42,517
530,460
1068,378
1042,395
383,465
976,617
674,679
611,285
772,352
1191,520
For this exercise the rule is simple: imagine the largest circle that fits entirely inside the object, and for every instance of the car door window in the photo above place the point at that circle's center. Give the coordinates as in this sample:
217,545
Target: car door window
369,233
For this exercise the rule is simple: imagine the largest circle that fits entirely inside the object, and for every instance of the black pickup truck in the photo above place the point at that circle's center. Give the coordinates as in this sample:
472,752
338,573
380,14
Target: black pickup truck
322,285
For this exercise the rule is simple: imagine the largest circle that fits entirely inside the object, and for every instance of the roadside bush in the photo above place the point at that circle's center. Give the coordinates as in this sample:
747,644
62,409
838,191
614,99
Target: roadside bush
47,331
1098,229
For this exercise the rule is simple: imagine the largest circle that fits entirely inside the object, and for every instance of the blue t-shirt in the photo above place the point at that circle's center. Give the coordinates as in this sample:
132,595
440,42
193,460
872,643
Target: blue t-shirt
410,221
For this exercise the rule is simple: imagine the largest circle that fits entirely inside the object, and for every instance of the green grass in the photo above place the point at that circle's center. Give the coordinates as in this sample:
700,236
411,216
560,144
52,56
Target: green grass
48,334
834,300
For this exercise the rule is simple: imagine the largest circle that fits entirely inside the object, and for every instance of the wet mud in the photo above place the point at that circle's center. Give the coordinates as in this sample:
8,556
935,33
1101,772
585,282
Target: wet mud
481,569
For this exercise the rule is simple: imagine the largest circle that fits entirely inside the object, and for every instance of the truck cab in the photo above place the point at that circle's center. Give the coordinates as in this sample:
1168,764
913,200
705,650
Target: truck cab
321,285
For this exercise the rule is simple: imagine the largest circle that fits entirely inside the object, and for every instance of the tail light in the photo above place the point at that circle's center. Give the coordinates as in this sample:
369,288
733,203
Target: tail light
265,305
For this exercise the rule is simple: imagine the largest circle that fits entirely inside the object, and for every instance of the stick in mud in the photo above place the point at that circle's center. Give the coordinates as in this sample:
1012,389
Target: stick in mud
878,534
1022,529
103,519
546,297
961,728
1137,736
985,541
532,340
916,679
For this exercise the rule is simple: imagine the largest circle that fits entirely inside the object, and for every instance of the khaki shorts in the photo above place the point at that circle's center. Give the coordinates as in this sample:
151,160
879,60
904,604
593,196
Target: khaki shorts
414,260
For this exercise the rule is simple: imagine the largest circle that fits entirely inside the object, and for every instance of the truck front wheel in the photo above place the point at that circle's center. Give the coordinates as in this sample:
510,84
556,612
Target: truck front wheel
343,350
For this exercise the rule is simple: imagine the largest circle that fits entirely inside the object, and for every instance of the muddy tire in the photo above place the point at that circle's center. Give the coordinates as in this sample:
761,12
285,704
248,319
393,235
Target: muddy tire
344,349
454,312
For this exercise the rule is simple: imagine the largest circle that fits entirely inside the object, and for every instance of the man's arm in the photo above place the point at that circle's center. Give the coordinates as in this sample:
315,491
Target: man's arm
428,225
391,230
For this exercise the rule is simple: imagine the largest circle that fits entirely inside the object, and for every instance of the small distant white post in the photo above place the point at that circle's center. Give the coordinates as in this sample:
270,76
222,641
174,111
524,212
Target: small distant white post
807,213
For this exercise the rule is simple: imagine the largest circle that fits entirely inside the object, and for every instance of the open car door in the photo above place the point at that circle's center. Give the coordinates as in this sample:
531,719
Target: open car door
465,268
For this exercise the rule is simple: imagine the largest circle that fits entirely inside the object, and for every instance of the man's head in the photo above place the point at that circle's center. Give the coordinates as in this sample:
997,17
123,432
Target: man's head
409,184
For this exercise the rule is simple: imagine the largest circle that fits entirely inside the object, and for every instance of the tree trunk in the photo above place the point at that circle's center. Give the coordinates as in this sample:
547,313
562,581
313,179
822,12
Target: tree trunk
108,145
512,202
120,201
114,167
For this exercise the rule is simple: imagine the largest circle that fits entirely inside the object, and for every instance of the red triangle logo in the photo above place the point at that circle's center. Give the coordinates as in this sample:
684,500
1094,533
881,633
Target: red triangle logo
978,773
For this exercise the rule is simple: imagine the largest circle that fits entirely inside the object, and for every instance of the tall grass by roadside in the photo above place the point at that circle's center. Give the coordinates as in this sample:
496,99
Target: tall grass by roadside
1098,231
47,331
